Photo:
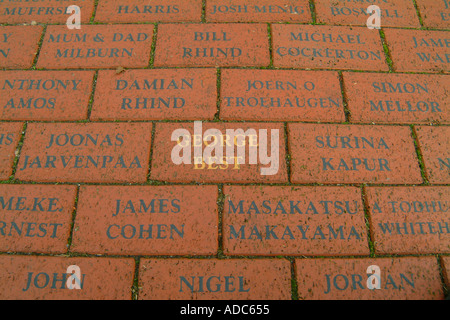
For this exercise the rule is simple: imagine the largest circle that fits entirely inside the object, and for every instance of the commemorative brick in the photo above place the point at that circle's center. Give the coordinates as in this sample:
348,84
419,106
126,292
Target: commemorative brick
409,278
212,279
285,95
48,278
326,153
43,11
85,152
394,13
120,11
96,46
45,95
164,220
435,147
397,98
445,264
419,50
35,218
18,46
180,94
435,13
323,221
410,220
258,11
327,47
183,45
219,152
10,133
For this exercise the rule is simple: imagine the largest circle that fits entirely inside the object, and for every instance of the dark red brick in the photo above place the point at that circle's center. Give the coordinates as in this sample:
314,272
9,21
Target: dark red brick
181,45
410,220
164,169
156,95
44,278
119,11
397,98
419,50
435,147
182,220
400,279
169,279
44,11
352,154
307,46
96,46
19,45
10,133
258,11
270,95
45,95
85,152
445,264
35,218
294,221
394,13
435,13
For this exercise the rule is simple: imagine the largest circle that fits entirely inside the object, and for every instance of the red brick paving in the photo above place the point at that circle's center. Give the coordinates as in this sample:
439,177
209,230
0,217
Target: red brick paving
44,278
293,11
119,11
186,94
19,45
352,154
435,13
434,145
408,220
185,45
215,279
419,51
394,13
327,47
408,278
397,98
45,95
147,220
137,71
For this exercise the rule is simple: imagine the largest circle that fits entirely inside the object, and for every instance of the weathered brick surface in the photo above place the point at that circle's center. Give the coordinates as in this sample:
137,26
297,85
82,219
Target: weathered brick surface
394,13
270,95
236,170
419,50
19,45
327,47
119,11
258,11
44,278
445,264
96,46
397,98
90,152
9,138
183,45
352,154
166,220
435,147
400,279
410,220
435,13
180,94
214,279
43,11
35,218
294,221
45,95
